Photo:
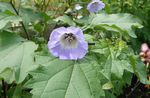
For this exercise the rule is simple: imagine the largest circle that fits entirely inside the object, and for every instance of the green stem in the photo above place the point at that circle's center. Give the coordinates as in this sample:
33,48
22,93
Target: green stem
122,5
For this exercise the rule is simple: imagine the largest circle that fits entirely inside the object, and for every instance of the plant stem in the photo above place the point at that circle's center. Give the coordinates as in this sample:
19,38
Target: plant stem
122,5
136,85
46,6
4,88
23,26
91,43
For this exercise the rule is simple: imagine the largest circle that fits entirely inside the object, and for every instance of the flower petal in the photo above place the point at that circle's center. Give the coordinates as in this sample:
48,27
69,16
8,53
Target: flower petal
64,54
80,51
95,8
55,36
101,5
57,32
95,1
55,50
74,54
77,32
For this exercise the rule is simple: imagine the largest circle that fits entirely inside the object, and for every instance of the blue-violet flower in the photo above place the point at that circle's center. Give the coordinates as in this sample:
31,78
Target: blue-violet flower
95,6
68,43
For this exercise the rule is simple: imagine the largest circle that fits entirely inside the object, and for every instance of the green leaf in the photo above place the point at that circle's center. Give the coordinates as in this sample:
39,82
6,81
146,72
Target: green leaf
65,79
139,69
8,75
66,19
18,92
29,15
110,95
115,68
6,6
17,54
117,22
118,67
113,65
7,18
88,37
107,86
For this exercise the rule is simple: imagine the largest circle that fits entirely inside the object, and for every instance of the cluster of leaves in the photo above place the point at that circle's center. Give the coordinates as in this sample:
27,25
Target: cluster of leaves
27,69
139,8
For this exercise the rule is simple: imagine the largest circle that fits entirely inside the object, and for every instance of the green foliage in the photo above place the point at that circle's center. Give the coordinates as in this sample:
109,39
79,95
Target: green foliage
7,18
139,8
67,79
28,70
17,54
66,19
121,23
18,92
140,70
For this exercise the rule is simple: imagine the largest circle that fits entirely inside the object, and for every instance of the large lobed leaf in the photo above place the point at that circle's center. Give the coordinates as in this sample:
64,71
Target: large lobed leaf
65,79
17,54
118,22
121,22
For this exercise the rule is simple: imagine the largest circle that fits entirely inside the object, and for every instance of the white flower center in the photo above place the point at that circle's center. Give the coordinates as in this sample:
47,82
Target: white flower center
68,41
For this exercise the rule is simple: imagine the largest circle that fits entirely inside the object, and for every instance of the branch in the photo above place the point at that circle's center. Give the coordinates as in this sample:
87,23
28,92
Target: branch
133,89
23,26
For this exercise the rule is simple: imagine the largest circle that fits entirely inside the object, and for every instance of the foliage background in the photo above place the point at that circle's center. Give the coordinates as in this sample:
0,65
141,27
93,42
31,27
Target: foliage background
111,69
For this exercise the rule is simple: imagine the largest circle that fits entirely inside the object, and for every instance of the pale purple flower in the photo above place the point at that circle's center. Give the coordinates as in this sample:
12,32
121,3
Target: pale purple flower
68,43
95,6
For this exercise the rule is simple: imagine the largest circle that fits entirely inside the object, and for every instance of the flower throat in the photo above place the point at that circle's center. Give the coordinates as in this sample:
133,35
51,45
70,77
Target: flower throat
68,41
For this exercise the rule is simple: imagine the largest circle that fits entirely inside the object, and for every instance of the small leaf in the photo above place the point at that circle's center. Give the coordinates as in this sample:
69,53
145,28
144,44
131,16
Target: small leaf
107,86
